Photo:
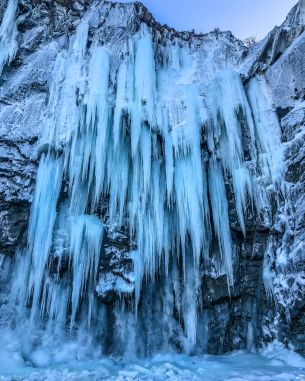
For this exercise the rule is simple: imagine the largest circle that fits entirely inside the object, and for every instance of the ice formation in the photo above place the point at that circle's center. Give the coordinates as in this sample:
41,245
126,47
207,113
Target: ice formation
164,154
8,34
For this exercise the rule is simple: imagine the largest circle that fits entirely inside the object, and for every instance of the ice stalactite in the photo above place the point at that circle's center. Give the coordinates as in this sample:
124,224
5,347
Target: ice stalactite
86,241
219,205
140,137
40,235
66,92
267,128
97,119
230,117
8,34
268,141
65,122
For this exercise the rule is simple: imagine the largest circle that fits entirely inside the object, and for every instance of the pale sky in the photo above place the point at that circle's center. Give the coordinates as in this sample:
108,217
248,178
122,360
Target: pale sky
243,17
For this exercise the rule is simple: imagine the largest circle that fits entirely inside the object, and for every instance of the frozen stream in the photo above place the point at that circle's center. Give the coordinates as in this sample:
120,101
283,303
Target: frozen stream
274,363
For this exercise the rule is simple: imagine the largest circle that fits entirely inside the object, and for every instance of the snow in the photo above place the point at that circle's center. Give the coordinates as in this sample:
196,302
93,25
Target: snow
272,363
114,283
296,15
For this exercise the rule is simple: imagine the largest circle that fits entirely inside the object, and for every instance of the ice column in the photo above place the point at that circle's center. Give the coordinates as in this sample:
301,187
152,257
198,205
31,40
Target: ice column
86,241
43,216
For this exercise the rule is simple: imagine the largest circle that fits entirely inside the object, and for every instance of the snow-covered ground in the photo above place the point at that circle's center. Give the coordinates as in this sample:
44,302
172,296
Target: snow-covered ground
271,364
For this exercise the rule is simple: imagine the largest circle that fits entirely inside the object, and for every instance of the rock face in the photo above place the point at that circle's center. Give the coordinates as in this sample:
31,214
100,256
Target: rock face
267,300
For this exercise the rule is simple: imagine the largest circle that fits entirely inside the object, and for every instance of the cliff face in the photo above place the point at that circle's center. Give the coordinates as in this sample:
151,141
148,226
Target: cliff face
250,140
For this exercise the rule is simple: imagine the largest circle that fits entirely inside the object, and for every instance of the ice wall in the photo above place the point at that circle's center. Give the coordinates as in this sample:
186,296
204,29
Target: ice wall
162,151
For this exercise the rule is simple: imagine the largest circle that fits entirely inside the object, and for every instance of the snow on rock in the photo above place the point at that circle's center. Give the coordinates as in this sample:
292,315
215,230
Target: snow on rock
277,43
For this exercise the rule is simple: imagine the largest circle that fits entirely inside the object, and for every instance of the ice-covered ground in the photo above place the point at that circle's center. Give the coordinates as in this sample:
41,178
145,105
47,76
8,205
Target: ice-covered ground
273,363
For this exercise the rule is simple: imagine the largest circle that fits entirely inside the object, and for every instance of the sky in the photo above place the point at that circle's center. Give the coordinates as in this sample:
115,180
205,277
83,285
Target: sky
243,17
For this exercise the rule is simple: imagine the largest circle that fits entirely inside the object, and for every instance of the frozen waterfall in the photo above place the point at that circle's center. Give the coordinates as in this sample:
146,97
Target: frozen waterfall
138,144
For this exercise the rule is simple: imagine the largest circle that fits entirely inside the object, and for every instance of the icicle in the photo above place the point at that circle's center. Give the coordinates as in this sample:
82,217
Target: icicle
72,91
138,271
267,127
145,75
119,177
43,215
230,112
189,177
97,114
89,142
242,186
145,86
146,152
269,274
51,133
119,158
191,298
86,241
8,34
137,144
219,206
55,302
169,165
124,101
